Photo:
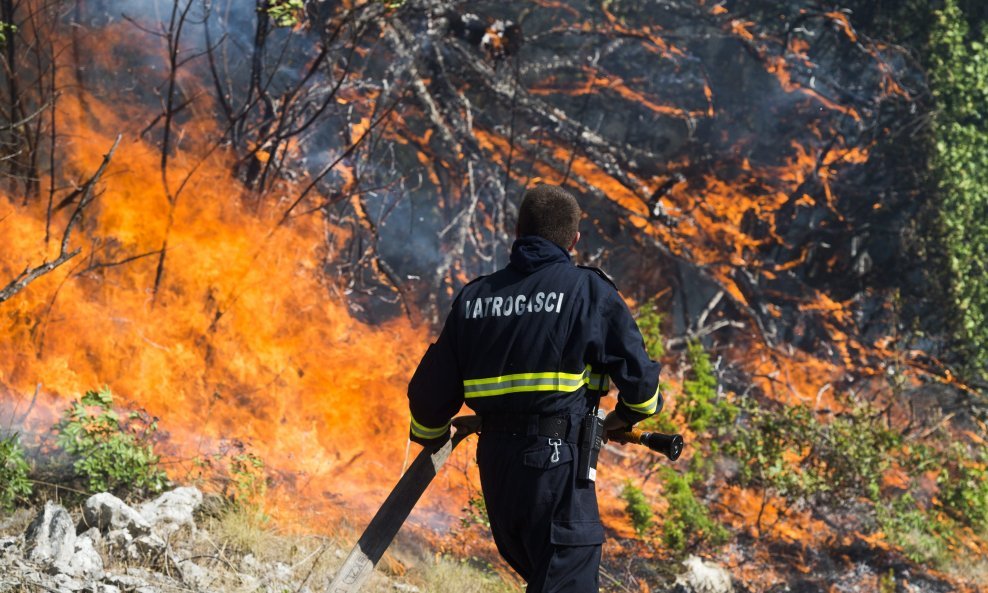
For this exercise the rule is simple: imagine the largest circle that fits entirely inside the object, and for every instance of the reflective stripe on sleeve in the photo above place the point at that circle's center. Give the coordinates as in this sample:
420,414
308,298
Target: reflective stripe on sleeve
529,382
646,407
424,432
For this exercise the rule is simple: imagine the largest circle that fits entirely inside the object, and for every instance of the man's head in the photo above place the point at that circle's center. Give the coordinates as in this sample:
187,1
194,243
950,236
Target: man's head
550,212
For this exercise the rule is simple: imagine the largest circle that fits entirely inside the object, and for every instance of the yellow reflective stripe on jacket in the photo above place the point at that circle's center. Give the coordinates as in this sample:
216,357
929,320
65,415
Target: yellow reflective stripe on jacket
528,382
424,432
648,406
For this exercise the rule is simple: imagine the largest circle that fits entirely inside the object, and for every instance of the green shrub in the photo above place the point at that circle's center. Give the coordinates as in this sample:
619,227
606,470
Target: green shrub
238,475
958,74
661,422
702,407
14,471
886,584
906,525
650,324
112,453
766,446
248,481
850,455
475,513
687,523
637,508
964,487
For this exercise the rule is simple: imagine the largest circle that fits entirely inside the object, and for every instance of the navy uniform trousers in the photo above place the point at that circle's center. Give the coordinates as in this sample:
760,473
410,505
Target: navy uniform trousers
544,521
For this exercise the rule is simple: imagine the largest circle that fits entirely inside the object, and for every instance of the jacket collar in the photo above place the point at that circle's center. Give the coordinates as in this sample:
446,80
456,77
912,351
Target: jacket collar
531,252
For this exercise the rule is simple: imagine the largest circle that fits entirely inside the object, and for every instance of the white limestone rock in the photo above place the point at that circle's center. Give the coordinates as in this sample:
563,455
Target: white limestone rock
51,536
172,510
702,576
106,512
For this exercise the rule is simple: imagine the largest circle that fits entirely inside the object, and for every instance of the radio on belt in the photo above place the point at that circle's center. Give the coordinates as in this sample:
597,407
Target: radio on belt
591,440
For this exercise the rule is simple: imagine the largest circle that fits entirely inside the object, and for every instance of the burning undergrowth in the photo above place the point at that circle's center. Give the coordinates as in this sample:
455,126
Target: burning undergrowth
289,210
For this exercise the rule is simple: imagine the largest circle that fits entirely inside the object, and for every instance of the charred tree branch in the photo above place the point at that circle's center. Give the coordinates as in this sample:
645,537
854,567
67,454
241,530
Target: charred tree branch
86,196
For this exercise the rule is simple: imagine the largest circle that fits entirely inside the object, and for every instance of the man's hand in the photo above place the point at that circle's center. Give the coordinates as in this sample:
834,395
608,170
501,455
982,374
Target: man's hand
614,423
467,424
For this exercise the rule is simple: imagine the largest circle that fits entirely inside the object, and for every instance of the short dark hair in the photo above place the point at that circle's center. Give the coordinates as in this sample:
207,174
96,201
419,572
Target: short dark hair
550,212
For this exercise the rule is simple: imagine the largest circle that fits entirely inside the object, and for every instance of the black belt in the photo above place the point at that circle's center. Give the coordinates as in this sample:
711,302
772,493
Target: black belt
553,427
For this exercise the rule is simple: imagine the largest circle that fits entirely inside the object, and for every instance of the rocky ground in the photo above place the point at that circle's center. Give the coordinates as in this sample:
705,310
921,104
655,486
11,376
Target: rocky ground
157,546
177,543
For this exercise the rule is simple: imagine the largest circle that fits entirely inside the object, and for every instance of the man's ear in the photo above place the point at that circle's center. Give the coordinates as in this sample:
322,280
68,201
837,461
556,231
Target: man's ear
575,240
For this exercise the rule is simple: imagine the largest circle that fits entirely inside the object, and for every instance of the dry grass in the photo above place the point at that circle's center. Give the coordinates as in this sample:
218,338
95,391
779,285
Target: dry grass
449,574
969,569
270,560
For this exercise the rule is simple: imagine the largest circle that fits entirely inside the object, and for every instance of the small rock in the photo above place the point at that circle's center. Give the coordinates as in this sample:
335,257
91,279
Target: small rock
125,582
51,536
9,545
93,535
98,587
193,575
172,510
703,577
63,582
119,539
86,563
213,505
105,512
148,577
146,546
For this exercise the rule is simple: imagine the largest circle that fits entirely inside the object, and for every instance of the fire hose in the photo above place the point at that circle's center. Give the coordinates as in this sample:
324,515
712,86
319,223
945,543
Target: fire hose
385,524
670,445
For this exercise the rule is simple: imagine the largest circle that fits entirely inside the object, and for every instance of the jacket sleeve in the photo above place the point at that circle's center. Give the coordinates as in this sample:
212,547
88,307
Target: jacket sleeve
435,392
626,361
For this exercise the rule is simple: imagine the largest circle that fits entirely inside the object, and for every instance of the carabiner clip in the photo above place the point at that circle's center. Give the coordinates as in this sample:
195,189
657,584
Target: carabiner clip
554,443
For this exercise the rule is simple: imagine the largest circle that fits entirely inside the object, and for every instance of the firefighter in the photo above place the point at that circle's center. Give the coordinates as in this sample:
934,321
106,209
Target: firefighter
531,348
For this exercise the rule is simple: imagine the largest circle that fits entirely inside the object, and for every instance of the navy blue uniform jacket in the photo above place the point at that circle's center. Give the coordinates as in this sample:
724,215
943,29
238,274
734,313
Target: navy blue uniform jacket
539,337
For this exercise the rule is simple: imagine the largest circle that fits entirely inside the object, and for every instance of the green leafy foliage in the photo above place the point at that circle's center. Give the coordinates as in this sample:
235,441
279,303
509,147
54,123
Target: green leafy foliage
792,454
765,446
112,453
286,13
702,407
687,522
649,321
637,507
918,534
248,480
240,477
958,74
661,422
797,456
963,484
5,29
14,470
851,454
886,584
475,513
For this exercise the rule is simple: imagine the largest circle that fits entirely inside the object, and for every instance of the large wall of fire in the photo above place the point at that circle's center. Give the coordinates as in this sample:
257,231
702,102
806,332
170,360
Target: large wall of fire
289,210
